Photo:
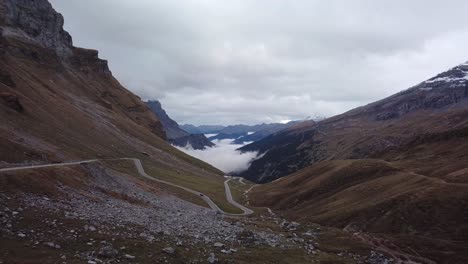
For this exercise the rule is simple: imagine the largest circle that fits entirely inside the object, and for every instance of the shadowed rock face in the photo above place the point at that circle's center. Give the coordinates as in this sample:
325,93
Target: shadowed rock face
433,106
196,141
170,126
175,134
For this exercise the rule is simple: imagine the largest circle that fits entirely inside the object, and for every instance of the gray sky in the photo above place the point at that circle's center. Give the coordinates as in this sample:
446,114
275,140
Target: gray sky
251,61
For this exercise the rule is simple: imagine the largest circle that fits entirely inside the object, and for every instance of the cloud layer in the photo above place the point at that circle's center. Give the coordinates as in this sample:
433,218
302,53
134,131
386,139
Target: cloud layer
223,156
251,61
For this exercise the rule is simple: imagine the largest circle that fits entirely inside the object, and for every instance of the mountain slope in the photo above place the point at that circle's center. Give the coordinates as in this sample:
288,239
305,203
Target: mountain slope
60,103
175,134
170,126
434,106
395,169
203,129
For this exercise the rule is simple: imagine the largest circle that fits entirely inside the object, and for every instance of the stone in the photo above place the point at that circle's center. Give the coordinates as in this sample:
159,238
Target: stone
52,245
127,256
218,245
107,252
212,258
169,250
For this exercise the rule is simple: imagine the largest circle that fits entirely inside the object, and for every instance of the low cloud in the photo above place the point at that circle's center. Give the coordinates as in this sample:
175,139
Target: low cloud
223,156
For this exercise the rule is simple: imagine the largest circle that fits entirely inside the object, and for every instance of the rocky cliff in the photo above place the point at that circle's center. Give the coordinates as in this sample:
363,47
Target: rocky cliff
175,134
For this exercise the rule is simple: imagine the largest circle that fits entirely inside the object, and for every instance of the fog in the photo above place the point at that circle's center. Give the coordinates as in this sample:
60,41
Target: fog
223,156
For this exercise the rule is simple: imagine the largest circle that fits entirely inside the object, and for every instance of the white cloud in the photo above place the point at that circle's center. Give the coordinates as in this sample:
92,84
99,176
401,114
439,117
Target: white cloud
223,156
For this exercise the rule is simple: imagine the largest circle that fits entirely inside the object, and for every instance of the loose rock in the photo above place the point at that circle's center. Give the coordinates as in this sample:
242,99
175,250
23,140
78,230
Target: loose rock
169,250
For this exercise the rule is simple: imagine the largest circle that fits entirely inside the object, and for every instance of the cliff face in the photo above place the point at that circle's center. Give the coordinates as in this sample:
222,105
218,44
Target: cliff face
170,126
57,100
175,134
36,22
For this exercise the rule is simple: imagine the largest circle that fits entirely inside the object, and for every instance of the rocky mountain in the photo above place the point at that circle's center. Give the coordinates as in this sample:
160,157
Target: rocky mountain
170,126
240,134
175,135
396,168
263,131
431,107
203,129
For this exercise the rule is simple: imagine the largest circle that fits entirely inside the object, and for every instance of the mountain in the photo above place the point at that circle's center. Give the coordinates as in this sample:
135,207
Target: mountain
175,134
59,102
203,129
170,126
240,134
86,175
433,107
233,129
395,169
263,131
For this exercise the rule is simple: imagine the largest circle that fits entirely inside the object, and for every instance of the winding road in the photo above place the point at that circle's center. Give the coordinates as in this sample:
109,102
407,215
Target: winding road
141,171
227,190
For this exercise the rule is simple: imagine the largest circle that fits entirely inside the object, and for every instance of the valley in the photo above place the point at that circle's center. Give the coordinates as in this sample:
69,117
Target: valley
93,170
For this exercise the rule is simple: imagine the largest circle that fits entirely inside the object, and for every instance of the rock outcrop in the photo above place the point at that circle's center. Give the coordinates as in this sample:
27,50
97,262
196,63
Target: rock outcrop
37,23
175,135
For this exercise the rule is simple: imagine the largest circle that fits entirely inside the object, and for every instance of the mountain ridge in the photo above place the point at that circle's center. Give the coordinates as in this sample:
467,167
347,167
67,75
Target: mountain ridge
395,169
355,134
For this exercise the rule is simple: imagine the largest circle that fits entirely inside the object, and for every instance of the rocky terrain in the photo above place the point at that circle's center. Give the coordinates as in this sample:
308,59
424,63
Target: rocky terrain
99,214
175,135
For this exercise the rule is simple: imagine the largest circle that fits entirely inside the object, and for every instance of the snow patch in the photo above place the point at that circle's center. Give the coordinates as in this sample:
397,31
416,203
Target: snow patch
425,88
450,79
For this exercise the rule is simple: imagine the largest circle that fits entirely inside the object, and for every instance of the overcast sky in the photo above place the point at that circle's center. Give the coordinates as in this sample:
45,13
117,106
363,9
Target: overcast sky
251,61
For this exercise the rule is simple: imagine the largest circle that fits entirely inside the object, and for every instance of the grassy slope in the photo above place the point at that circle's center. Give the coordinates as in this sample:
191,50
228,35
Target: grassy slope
375,196
73,114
